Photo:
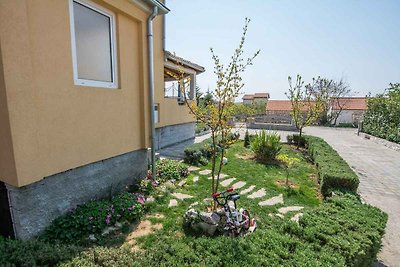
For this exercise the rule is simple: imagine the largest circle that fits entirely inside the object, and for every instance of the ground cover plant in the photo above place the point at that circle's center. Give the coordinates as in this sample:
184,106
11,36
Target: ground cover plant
337,231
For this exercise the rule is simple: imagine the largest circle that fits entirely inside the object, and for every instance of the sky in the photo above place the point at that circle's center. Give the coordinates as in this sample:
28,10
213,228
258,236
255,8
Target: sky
355,40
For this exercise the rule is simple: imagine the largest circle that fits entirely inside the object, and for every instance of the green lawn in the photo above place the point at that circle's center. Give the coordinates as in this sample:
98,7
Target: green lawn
249,171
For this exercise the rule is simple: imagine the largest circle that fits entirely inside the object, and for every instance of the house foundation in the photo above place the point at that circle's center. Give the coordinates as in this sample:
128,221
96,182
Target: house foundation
35,206
173,134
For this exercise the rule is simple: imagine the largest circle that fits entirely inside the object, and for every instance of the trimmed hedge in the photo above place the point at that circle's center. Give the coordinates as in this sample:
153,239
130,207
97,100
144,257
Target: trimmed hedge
334,173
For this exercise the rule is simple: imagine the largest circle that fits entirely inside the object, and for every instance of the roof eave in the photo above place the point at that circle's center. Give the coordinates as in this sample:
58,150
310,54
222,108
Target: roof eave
148,4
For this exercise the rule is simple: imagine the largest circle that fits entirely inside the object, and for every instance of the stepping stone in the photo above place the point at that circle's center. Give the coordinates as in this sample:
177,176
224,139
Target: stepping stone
205,172
172,203
272,201
150,199
193,168
195,179
258,194
181,196
238,185
222,176
285,210
279,215
227,181
251,188
296,217
182,183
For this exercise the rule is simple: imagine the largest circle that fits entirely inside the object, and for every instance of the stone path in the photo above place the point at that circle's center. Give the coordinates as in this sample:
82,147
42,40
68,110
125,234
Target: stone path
205,172
258,194
195,179
378,168
285,210
272,201
238,185
181,196
296,217
247,190
172,203
227,181
193,168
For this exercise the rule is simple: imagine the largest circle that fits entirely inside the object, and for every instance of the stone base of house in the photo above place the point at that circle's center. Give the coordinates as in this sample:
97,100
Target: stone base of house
173,134
271,126
35,206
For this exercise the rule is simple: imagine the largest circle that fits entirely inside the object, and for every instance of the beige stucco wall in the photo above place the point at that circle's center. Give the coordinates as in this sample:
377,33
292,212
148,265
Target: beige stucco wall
55,125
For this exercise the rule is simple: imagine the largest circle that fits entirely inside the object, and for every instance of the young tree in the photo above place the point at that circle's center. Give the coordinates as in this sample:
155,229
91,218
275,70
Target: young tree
332,94
306,108
218,113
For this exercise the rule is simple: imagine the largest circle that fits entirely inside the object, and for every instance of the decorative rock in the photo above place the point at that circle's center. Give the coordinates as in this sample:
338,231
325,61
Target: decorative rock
193,204
285,210
92,238
108,230
224,160
150,199
208,229
245,191
210,217
238,185
193,168
272,201
181,196
172,203
208,221
258,194
195,179
296,217
227,181
118,225
207,200
205,172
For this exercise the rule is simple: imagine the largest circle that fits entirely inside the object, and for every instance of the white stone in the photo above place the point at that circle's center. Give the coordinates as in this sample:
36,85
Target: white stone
272,201
221,176
207,200
92,238
285,210
260,193
182,183
172,203
296,217
205,172
150,199
195,179
279,215
194,204
224,160
245,191
238,185
193,168
181,196
227,181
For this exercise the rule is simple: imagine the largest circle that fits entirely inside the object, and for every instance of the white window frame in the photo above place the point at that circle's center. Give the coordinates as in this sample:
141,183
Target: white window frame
111,16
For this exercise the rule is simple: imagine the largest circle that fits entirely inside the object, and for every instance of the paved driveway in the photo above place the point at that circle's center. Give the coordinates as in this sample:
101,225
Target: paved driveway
379,170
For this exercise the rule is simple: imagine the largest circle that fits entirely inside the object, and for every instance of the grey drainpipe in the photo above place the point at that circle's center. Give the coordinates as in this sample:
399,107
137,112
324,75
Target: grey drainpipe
151,87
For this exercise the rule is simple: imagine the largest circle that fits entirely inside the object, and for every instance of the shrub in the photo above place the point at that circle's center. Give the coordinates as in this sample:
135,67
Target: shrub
382,117
199,153
34,253
93,218
266,146
299,140
350,228
168,169
246,139
289,139
333,171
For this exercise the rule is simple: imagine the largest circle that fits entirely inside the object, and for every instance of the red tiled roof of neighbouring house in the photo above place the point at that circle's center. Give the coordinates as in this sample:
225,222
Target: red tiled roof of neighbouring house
261,95
256,95
281,105
350,103
248,97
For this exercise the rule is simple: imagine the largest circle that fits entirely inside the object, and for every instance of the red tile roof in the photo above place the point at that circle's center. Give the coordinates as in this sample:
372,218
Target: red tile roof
281,105
256,95
350,103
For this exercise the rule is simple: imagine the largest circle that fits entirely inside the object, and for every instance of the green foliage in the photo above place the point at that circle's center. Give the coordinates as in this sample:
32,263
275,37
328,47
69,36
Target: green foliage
246,139
382,117
201,127
266,146
34,253
346,125
333,171
93,218
168,169
353,230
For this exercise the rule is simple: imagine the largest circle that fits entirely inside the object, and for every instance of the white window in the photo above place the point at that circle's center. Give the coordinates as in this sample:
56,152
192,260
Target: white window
93,44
